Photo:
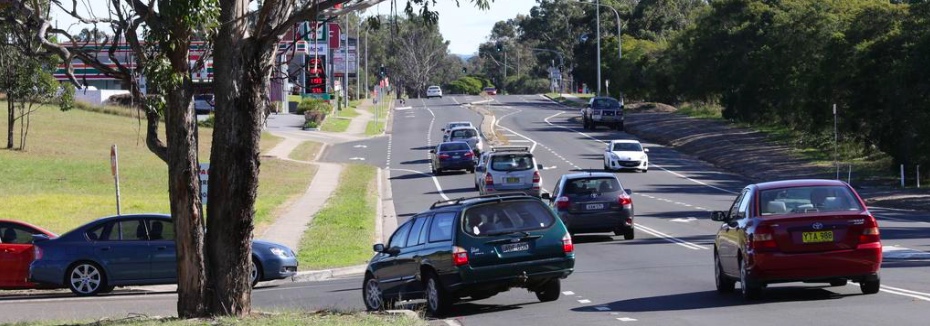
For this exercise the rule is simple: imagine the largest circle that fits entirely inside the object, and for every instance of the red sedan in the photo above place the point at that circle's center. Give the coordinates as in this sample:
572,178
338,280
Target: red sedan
797,231
490,90
16,253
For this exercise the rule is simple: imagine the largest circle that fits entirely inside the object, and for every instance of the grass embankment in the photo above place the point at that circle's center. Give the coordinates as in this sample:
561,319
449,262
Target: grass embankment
339,120
379,122
342,231
63,178
272,319
307,151
579,102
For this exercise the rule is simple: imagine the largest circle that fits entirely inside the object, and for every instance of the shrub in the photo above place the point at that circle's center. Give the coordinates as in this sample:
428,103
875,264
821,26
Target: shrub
311,124
208,122
314,104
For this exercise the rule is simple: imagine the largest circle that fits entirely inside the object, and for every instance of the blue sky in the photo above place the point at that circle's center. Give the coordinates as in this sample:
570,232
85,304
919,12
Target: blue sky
465,27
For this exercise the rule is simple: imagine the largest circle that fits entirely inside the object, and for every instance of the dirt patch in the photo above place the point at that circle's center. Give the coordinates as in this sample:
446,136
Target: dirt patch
648,107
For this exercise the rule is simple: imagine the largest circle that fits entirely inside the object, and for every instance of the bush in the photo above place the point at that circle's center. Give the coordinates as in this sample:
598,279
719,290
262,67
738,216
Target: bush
208,122
314,104
465,85
311,124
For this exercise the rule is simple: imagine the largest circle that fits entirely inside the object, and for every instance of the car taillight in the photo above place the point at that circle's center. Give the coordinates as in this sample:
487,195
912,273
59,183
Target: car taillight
567,245
870,232
535,180
443,156
37,252
469,154
488,179
763,239
625,200
459,256
563,202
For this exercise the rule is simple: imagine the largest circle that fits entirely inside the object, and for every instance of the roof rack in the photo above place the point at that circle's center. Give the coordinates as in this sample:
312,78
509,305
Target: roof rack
510,148
457,201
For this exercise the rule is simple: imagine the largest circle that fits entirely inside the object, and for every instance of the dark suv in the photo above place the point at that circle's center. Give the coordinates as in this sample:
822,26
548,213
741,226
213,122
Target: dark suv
603,111
471,247
594,202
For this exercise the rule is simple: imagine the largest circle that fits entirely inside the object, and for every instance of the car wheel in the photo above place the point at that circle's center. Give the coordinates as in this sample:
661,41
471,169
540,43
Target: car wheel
628,234
437,300
645,170
838,283
749,289
256,274
870,287
606,168
372,295
549,291
86,279
437,171
724,283
620,127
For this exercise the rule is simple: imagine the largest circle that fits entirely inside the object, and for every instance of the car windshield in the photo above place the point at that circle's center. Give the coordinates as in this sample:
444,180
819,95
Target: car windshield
512,162
506,217
203,97
605,104
458,124
447,147
464,133
434,88
587,186
628,147
807,199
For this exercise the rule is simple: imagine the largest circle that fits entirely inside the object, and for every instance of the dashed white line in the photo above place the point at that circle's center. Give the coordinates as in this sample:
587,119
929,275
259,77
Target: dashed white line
624,319
568,293
906,293
584,301
683,243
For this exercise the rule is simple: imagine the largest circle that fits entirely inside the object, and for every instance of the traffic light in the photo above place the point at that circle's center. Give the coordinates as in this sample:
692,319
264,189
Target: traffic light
500,47
464,70
382,72
561,67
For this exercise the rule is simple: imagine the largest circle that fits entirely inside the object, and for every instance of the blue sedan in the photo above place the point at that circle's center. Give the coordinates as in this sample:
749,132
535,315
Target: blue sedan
132,250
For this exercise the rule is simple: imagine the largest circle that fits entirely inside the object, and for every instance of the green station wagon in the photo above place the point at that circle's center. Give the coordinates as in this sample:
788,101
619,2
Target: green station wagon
471,247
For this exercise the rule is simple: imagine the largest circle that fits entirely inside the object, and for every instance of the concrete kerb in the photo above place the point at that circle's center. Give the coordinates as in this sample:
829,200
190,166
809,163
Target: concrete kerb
487,125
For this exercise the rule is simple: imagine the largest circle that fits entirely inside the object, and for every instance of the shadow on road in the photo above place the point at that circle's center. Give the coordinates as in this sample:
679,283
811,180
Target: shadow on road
711,299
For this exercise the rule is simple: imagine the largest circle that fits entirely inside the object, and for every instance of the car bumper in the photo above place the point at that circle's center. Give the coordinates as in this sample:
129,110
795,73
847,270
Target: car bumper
597,222
529,191
853,264
457,165
47,272
499,278
615,164
278,268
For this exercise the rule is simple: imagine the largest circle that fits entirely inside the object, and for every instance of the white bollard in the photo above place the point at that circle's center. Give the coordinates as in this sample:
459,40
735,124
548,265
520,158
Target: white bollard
902,175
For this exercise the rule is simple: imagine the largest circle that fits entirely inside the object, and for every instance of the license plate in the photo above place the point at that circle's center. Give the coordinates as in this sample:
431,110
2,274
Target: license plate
456,157
594,206
511,247
815,237
512,180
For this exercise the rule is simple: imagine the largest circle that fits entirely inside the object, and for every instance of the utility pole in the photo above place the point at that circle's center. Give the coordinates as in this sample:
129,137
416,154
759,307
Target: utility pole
598,13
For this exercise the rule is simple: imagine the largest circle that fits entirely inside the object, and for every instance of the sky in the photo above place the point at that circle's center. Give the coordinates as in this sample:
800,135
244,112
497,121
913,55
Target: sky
465,27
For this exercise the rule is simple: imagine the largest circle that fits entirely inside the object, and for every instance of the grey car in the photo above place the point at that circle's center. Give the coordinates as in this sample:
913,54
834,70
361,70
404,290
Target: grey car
469,135
508,169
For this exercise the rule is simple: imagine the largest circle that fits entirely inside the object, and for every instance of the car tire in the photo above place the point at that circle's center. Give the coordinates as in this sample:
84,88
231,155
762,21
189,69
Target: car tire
372,295
606,168
620,127
86,279
550,291
438,301
256,274
724,283
645,170
628,234
838,282
870,286
749,289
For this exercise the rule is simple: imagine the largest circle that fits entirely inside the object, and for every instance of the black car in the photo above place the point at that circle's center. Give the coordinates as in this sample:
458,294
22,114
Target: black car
603,111
453,155
471,247
593,202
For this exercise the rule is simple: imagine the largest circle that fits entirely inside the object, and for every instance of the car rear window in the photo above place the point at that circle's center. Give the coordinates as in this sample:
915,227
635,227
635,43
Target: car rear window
587,186
628,147
505,217
605,104
512,162
204,97
807,199
464,133
453,147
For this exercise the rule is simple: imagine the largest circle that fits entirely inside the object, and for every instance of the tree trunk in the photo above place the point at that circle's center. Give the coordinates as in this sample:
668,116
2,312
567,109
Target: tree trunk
241,77
11,122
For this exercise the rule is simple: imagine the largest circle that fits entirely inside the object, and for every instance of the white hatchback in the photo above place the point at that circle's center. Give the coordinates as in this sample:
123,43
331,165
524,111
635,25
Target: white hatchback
434,91
626,154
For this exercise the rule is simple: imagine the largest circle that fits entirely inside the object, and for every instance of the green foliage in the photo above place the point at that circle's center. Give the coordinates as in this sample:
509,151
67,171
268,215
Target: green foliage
465,85
209,122
314,104
311,124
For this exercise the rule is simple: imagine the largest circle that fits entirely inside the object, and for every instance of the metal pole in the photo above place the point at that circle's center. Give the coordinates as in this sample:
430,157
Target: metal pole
358,85
114,164
367,92
835,138
598,13
345,66
504,82
902,175
918,175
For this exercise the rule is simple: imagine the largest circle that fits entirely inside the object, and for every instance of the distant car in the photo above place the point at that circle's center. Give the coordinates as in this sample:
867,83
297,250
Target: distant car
603,111
433,91
593,202
133,250
17,252
469,135
490,90
454,155
626,154
471,247
796,231
452,125
508,169
204,103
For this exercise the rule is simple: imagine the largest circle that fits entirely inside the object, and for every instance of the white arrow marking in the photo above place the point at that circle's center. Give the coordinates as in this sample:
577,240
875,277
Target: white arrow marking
357,158
684,220
360,146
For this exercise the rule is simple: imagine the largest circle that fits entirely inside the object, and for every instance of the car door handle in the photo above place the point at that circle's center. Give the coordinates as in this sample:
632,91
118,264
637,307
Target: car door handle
161,248
104,248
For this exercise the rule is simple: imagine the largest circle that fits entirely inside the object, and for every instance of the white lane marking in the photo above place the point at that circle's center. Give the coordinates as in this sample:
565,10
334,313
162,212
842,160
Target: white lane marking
602,308
626,319
902,253
650,163
680,242
357,158
497,124
683,220
906,293
584,301
404,108
568,293
435,181
520,141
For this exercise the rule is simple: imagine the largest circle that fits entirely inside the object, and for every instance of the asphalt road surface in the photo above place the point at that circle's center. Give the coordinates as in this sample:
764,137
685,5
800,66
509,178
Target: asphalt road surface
663,277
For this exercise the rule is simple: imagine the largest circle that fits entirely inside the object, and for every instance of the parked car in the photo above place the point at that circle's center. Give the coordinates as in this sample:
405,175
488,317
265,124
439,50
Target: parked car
508,169
204,103
796,231
490,90
471,247
17,252
626,154
593,202
455,155
469,135
132,250
452,125
603,111
433,91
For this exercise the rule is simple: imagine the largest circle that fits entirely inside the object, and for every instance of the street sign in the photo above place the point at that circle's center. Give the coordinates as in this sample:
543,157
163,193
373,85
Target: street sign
204,175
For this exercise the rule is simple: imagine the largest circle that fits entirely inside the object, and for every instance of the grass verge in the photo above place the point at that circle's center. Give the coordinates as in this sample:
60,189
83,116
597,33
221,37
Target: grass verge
701,110
335,124
341,232
287,318
306,151
63,180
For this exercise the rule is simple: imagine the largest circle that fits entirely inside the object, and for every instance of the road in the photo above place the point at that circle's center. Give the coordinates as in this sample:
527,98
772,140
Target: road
663,277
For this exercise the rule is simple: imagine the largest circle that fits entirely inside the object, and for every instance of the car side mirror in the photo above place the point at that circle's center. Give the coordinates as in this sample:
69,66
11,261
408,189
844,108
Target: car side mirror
545,196
719,216
540,167
628,191
432,151
378,247
646,150
479,168
443,129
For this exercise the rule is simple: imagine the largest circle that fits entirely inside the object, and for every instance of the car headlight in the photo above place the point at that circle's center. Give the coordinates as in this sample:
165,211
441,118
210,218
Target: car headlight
614,156
279,252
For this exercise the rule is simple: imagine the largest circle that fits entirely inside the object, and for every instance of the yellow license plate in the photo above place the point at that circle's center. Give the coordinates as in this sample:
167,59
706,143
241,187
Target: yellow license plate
513,180
819,236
